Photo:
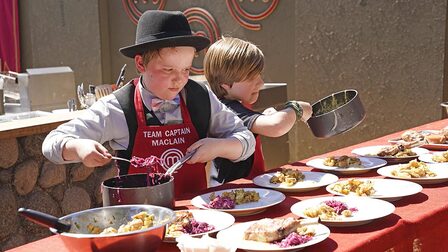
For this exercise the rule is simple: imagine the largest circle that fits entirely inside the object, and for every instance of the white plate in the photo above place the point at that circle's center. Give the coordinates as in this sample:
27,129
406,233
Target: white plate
386,189
368,163
441,170
219,220
267,198
235,236
433,146
430,146
368,210
370,151
312,181
427,158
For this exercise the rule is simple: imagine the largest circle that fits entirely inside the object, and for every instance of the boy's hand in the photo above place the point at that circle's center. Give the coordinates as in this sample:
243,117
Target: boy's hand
89,152
303,109
269,111
208,149
307,111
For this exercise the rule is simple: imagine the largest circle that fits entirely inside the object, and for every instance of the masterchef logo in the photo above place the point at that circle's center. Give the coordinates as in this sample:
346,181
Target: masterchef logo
169,157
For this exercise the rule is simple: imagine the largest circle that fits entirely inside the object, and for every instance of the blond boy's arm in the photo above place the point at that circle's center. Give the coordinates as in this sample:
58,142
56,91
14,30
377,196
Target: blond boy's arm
277,123
274,124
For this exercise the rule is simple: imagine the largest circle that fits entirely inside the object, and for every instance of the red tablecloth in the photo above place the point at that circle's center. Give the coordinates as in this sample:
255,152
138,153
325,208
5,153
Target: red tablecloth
419,223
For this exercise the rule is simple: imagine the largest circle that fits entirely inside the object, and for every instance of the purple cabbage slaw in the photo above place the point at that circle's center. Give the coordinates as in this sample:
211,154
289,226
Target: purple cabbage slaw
293,239
197,227
339,206
149,163
221,203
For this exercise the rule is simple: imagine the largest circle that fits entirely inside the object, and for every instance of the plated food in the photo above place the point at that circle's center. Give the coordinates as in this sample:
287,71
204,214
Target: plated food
395,151
266,199
287,177
311,181
353,187
434,157
391,153
413,169
274,234
229,199
343,211
330,210
430,139
367,164
343,161
197,223
417,172
385,189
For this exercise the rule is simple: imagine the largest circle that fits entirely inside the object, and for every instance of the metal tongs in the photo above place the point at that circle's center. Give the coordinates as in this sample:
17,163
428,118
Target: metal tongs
81,96
120,80
179,163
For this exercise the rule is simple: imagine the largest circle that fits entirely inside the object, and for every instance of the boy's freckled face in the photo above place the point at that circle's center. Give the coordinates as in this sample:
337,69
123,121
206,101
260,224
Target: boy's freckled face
246,91
166,74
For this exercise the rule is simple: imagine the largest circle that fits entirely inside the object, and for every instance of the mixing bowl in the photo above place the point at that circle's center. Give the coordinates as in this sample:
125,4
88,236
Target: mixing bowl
73,228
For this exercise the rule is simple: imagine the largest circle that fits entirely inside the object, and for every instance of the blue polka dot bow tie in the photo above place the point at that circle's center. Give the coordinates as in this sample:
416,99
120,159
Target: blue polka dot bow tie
163,106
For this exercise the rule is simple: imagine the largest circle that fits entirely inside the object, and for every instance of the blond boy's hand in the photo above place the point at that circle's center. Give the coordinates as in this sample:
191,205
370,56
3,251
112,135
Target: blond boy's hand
307,111
89,152
302,109
269,111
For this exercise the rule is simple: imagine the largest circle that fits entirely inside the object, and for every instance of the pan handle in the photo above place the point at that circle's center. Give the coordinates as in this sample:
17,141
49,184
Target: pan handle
45,220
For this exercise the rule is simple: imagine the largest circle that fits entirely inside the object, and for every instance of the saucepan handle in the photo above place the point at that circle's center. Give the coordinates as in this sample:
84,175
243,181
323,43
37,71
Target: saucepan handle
44,219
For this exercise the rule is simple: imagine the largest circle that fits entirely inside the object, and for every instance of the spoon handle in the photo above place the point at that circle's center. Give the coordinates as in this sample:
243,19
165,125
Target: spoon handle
179,163
44,219
122,159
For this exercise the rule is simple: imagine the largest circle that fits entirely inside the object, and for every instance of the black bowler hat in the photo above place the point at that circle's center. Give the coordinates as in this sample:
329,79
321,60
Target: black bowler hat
158,29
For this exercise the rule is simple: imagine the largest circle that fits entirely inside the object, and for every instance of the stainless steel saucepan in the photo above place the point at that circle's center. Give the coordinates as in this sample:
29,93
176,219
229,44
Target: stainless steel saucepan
134,189
336,113
74,231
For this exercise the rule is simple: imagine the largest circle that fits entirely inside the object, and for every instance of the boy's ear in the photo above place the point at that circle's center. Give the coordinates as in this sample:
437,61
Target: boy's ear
226,86
139,63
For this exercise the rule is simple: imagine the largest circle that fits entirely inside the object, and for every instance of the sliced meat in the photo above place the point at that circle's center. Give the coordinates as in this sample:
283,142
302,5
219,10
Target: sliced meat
269,230
389,150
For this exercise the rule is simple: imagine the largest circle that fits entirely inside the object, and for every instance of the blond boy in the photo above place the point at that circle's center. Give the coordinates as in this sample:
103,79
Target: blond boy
233,68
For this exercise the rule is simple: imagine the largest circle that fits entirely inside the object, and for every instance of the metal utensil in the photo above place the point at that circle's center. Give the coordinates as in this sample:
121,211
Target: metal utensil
120,80
81,96
122,159
71,105
179,163
134,189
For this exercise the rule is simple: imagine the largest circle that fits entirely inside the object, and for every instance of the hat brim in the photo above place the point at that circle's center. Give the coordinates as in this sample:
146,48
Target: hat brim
198,42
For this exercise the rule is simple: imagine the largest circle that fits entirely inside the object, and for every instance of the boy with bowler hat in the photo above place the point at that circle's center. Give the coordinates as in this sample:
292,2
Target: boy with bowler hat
162,113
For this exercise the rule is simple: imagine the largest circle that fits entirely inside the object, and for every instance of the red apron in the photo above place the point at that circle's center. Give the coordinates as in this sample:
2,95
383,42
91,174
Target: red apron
169,143
258,165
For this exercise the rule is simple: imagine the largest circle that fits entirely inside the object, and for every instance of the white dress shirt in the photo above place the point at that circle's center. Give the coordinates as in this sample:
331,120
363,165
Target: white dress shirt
105,121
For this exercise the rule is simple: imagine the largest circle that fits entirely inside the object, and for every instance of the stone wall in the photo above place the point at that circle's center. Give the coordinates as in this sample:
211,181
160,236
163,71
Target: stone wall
28,180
